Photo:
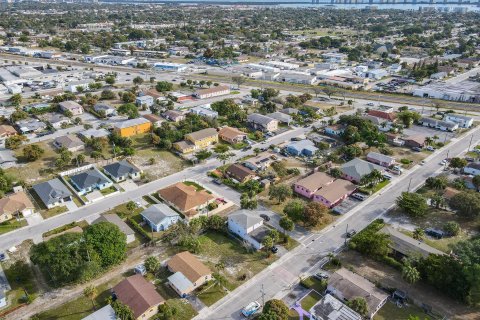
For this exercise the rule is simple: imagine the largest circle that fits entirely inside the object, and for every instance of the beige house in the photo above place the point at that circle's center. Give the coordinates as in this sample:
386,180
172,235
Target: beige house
231,135
75,108
186,198
15,204
189,273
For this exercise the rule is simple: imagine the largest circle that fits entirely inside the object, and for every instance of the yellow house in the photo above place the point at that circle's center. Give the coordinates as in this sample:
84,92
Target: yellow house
197,140
132,127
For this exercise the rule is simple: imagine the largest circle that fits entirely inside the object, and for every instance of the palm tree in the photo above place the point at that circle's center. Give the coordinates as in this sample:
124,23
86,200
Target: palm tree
410,274
418,234
224,157
90,292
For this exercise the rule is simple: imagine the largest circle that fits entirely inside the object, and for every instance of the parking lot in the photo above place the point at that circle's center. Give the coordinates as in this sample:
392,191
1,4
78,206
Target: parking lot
429,132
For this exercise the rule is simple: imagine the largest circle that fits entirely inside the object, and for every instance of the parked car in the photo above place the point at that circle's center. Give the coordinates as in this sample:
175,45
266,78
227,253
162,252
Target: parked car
265,217
296,139
444,162
359,196
422,162
217,182
430,148
388,177
435,233
250,309
2,256
470,159
351,233
417,149
321,275
274,249
370,104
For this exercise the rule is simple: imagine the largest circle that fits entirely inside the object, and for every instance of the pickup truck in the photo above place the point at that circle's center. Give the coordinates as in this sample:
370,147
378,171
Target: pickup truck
251,308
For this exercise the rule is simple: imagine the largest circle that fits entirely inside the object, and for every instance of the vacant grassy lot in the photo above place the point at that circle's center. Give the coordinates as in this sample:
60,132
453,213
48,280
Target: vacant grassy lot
37,170
313,283
81,307
391,312
184,309
53,212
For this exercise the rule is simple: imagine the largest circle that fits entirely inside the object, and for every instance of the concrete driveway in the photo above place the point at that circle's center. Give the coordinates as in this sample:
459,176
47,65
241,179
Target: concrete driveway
34,218
128,185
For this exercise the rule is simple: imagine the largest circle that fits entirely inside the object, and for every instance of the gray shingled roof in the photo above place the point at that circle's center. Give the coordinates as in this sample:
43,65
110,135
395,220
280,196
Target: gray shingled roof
89,178
245,218
157,212
357,168
120,168
51,191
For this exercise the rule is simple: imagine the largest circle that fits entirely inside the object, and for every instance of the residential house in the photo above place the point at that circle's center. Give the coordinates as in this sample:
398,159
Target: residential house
173,115
105,313
122,170
232,135
346,285
30,126
71,106
7,131
160,217
405,246
248,225
124,228
192,270
472,168
357,168
312,183
52,193
462,121
335,130
414,141
262,123
139,295
56,120
70,142
204,111
212,92
334,193
106,109
240,172
380,159
394,139
77,86
90,180
186,198
15,204
145,100
438,124
289,111
302,148
262,161
156,120
132,127
330,308
94,133
197,140
281,117
383,112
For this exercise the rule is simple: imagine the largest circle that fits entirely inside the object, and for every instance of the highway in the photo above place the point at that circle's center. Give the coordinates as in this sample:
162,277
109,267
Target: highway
277,280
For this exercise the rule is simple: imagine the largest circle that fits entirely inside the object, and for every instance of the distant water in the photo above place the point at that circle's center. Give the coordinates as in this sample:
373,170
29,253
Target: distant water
399,6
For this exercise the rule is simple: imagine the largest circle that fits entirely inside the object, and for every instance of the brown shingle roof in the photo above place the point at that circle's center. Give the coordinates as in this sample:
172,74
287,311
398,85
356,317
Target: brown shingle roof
336,190
7,130
239,172
186,263
14,203
153,117
315,181
230,133
138,294
185,197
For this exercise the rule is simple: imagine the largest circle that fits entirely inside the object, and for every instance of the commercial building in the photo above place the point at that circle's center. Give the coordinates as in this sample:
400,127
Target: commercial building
466,91
167,66
212,92
132,127
380,159
462,121
438,124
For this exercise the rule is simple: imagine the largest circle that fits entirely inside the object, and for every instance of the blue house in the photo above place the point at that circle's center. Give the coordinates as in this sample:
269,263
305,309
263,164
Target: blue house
90,180
302,148
160,217
335,130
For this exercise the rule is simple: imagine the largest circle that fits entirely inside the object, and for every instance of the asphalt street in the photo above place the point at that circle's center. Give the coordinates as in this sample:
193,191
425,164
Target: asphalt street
277,280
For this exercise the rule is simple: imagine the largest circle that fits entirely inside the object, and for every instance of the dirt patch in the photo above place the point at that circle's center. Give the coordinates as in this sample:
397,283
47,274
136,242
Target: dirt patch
420,292
164,163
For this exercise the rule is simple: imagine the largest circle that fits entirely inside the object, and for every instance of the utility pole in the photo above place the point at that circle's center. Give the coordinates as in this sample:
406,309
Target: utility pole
346,232
409,183
470,144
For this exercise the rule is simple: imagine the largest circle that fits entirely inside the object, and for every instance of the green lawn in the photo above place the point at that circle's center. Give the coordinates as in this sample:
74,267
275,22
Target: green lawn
293,315
375,188
149,200
391,312
53,212
184,309
162,285
210,293
310,300
123,212
313,283
82,224
194,184
107,191
81,307
12,224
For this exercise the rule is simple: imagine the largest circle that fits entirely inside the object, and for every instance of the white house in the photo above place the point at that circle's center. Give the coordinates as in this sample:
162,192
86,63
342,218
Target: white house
74,86
144,100
160,217
248,225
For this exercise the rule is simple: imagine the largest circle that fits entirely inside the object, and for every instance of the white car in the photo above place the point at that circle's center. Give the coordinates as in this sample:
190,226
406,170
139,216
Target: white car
443,162
430,148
